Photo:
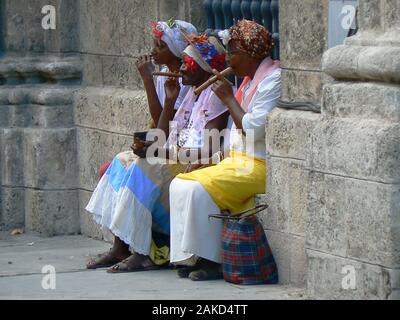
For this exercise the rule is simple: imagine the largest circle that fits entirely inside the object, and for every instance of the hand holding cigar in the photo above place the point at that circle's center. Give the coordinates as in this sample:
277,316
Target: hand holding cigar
214,78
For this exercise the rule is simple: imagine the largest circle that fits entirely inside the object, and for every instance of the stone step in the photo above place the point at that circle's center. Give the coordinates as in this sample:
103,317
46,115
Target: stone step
46,69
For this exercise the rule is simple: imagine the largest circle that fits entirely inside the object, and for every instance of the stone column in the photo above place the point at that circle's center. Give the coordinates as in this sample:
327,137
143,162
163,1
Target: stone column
353,225
39,73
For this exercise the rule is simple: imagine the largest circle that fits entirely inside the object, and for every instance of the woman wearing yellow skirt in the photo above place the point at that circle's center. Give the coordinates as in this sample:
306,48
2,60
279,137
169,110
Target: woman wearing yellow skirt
233,183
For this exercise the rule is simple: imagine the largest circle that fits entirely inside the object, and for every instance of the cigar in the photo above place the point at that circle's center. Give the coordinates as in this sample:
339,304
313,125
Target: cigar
210,81
167,74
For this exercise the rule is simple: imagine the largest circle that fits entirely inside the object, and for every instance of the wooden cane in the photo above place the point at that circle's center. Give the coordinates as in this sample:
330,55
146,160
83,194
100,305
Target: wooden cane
210,81
167,74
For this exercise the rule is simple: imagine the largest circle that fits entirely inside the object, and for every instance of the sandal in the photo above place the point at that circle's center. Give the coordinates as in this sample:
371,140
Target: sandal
103,260
126,266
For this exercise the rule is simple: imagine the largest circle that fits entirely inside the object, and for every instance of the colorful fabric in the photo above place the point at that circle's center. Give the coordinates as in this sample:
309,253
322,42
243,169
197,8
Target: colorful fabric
246,255
202,49
252,38
173,33
233,182
132,199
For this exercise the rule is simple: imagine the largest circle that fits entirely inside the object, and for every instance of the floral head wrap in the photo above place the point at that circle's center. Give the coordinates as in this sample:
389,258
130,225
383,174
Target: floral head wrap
172,33
204,48
250,37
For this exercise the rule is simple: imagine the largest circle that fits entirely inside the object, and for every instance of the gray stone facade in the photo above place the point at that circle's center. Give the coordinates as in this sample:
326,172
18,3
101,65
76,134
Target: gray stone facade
71,98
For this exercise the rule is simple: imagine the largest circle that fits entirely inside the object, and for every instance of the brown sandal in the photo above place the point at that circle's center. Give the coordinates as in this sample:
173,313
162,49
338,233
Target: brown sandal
103,260
124,266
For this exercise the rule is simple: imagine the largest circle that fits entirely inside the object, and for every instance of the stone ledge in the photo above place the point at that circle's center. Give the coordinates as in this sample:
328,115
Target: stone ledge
363,63
51,95
20,70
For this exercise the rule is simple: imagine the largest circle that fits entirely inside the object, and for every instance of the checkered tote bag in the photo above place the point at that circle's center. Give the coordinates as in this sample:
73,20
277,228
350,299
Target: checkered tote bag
246,255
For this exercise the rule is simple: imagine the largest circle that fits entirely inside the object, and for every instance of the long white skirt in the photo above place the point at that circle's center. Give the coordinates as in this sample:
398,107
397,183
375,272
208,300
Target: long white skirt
193,234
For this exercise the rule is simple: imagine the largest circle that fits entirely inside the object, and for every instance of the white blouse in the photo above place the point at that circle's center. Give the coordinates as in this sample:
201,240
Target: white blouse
264,100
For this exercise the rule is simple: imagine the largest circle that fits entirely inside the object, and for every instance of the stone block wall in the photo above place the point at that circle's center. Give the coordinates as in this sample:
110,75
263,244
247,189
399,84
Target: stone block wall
303,39
354,200
70,99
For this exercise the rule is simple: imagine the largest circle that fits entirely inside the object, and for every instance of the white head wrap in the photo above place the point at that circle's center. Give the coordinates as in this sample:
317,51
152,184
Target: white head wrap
174,37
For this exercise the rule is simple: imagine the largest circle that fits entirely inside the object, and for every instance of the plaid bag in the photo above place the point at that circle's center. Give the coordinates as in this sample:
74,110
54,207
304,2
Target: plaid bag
246,255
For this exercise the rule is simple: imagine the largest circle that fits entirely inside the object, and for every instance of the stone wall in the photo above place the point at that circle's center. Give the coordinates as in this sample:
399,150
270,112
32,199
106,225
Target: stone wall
70,99
303,34
354,202
39,73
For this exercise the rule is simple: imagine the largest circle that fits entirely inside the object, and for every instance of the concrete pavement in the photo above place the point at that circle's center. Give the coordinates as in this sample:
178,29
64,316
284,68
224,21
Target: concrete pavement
22,258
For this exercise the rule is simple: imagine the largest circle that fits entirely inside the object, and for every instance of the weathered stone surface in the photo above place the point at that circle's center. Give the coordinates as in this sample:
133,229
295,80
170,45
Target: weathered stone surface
95,148
365,149
303,33
52,212
12,208
362,101
288,133
287,189
135,19
23,116
363,63
12,157
24,32
290,256
33,70
354,218
37,94
92,70
50,158
370,15
99,27
120,72
325,278
302,86
111,109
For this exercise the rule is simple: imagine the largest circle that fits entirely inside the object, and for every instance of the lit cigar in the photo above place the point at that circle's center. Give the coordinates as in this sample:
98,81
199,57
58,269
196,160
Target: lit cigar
210,81
167,74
